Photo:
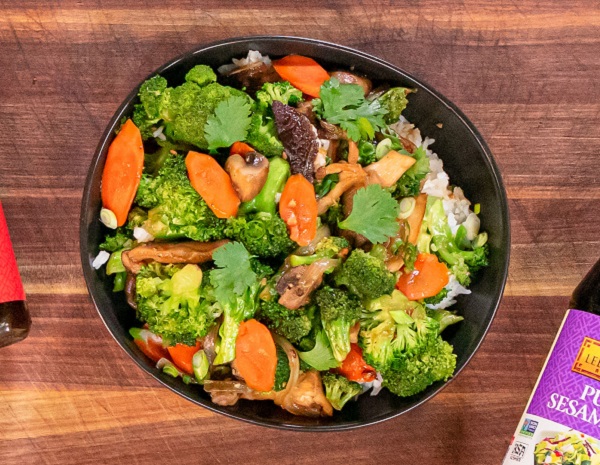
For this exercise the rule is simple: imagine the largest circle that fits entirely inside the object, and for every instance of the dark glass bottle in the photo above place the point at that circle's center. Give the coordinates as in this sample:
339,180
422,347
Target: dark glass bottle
14,315
587,294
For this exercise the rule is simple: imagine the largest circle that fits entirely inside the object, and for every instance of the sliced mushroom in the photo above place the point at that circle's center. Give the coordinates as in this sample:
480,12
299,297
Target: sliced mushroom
297,289
352,152
290,279
408,145
252,76
182,252
306,108
130,294
348,78
351,176
389,169
331,131
307,398
248,175
416,218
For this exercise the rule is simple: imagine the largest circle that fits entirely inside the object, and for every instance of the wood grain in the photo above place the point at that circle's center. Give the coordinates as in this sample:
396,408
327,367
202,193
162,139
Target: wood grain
526,73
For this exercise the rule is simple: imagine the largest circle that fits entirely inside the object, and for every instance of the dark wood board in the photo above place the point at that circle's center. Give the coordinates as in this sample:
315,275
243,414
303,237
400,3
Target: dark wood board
526,73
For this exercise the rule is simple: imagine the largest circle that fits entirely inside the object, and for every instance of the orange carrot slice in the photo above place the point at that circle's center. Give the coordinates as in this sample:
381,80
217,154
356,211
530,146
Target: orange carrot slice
240,148
298,208
428,278
213,184
122,171
302,72
256,355
182,355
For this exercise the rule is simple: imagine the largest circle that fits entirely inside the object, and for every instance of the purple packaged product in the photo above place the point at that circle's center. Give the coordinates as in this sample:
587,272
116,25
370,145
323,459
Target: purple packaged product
561,423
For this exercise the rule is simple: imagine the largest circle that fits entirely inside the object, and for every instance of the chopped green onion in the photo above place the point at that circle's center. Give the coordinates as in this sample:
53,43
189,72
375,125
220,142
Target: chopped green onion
407,206
476,208
108,218
119,284
200,365
136,333
480,240
171,370
114,264
383,148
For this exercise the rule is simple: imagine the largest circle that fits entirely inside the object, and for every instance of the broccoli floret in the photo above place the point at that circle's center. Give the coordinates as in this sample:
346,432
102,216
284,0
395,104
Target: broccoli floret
146,114
150,93
444,317
201,75
183,110
174,302
282,91
409,184
282,371
404,345
365,275
328,247
176,209
394,101
292,325
462,256
186,109
462,263
339,312
418,369
333,215
436,299
339,389
146,125
120,240
263,234
262,134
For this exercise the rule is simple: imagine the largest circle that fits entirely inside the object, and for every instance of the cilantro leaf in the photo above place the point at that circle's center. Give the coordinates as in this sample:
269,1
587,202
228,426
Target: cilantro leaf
373,214
229,123
345,104
233,274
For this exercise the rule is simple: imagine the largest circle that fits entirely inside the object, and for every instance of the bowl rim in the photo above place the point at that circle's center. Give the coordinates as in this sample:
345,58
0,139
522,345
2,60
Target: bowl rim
89,272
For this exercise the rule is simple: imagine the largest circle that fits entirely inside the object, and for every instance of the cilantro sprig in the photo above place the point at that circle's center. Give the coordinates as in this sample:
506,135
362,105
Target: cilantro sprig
229,123
345,104
233,275
374,214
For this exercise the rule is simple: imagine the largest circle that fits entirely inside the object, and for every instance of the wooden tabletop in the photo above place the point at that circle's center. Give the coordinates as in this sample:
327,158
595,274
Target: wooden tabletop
527,73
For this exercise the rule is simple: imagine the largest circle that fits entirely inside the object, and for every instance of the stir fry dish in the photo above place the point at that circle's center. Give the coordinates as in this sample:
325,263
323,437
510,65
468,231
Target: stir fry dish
568,448
283,233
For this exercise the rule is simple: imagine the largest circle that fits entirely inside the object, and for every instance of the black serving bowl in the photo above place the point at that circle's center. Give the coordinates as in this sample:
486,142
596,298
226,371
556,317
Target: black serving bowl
467,160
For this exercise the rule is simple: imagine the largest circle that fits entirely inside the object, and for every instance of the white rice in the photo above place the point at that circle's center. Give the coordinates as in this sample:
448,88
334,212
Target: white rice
374,385
437,182
253,57
100,259
141,235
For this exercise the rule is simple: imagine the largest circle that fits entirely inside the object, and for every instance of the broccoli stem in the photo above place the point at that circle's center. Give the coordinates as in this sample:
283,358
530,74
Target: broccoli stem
297,260
338,333
279,171
228,333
